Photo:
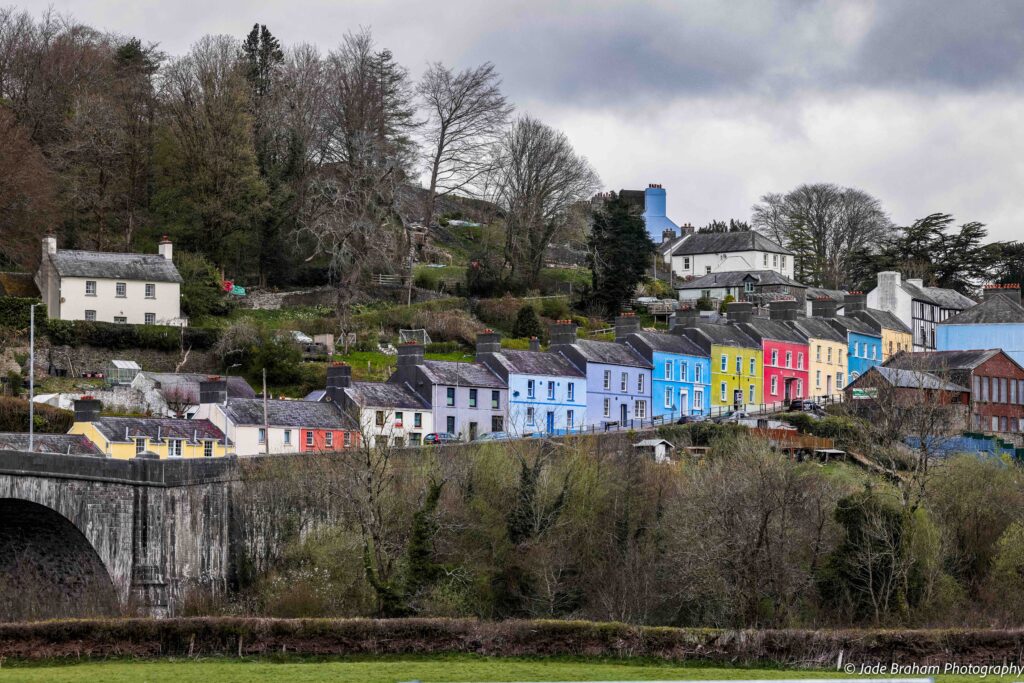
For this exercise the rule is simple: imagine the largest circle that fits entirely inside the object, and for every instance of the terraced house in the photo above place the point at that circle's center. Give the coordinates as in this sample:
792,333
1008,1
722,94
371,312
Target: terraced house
546,393
826,349
863,343
784,350
737,365
390,414
997,322
681,373
918,307
468,399
896,336
129,437
618,378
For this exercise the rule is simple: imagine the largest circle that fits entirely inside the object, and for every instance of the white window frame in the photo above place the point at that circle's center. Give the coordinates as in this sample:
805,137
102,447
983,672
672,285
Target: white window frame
120,290
775,357
668,397
753,394
775,384
725,363
640,409
686,263
551,390
329,439
668,369
207,449
723,392
789,359
90,288
531,415
449,397
624,382
261,435
698,373
150,290
287,437
753,366
817,379
90,315
140,444
121,319
640,383
800,361
309,438
739,365
607,407
150,318
698,399
608,379
531,389
570,390
174,448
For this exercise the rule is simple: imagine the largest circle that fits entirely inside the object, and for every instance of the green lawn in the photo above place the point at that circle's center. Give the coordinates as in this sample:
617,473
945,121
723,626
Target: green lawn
374,366
425,669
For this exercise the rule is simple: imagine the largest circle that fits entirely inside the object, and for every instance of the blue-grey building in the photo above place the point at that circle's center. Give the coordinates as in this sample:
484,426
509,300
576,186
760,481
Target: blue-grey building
546,393
652,202
681,373
864,344
995,323
618,378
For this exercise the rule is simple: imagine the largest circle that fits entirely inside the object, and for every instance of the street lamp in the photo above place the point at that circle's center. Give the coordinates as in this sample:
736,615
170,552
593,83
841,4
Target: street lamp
31,377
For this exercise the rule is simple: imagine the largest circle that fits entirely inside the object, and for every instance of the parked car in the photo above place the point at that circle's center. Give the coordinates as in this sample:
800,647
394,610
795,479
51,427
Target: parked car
494,436
688,419
733,416
436,438
805,404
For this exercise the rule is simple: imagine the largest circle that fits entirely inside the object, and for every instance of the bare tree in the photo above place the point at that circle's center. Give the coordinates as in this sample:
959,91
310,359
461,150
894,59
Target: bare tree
467,113
822,224
538,178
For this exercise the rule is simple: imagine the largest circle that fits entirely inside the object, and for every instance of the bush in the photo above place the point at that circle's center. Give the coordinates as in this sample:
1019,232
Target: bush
705,304
444,347
48,420
499,313
114,336
14,312
723,308
556,309
201,293
527,324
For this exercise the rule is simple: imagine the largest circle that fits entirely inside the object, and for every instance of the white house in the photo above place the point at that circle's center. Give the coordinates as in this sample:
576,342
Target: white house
918,307
138,289
387,413
699,254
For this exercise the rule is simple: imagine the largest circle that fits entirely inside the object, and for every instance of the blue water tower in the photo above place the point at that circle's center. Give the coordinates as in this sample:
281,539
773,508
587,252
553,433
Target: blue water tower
654,213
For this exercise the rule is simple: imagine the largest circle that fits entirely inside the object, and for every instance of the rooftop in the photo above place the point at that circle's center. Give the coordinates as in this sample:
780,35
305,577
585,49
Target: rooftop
537,363
837,295
122,429
765,328
64,444
881,320
934,361
721,334
188,384
996,309
461,374
719,242
380,395
111,266
848,324
737,278
939,296
610,353
281,413
817,328
913,379
669,343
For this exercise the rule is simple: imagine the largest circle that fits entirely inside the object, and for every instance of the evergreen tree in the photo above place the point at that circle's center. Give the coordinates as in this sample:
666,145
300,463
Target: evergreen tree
620,252
527,323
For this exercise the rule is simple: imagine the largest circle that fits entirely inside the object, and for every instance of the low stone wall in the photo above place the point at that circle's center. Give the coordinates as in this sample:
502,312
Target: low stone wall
235,637
91,359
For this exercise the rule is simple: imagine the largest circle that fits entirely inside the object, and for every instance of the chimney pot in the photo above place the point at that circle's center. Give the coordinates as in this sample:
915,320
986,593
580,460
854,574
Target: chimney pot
741,311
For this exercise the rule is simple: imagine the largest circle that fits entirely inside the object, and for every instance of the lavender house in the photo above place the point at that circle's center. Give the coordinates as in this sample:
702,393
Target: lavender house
468,399
618,378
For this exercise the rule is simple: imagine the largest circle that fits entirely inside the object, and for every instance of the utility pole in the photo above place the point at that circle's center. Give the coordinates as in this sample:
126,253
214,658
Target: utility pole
266,419
31,377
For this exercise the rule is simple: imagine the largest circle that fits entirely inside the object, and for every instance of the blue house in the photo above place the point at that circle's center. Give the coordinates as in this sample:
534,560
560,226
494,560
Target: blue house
546,393
995,323
864,343
681,376
618,379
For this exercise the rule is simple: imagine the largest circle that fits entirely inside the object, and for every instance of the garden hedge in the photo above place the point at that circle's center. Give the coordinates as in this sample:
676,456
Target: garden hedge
14,312
115,336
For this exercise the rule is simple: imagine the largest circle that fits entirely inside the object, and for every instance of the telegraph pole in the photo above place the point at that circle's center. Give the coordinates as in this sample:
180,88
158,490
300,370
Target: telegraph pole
31,377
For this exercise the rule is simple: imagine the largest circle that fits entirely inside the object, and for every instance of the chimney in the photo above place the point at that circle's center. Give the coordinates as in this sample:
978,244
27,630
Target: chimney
625,325
213,390
687,229
740,311
487,341
685,316
339,376
534,344
916,281
667,235
49,246
1011,292
854,301
824,307
409,354
783,309
87,409
563,332
166,249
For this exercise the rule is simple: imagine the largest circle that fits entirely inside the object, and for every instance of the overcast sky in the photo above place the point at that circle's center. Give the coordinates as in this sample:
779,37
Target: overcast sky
918,103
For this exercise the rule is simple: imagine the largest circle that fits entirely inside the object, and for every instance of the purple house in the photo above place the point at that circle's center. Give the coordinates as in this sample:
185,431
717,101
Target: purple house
618,378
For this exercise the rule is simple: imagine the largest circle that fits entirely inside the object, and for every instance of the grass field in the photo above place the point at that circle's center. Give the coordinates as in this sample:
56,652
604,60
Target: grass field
390,670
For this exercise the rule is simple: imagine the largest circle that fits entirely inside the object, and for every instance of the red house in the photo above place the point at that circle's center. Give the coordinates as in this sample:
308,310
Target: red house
786,352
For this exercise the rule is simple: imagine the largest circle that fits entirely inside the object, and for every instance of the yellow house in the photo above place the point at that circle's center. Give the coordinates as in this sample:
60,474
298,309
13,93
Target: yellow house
737,364
128,437
896,336
827,348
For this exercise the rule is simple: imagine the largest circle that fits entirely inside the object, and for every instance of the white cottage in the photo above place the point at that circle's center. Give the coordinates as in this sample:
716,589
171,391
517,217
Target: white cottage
699,254
137,289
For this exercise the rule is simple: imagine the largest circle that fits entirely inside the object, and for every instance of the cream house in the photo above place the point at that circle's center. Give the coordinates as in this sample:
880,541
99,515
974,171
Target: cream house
138,289
700,254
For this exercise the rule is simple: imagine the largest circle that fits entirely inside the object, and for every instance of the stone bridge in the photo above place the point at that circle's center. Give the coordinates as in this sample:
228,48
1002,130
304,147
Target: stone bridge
91,535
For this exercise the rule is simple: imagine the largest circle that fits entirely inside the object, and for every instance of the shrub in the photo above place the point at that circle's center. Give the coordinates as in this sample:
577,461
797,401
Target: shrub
14,312
724,306
48,420
556,308
115,336
527,323
705,304
499,313
201,292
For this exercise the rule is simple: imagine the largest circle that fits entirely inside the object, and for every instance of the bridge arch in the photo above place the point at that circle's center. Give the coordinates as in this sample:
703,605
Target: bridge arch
48,568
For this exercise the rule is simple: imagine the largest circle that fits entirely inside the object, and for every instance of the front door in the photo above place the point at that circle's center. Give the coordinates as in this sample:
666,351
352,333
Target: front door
551,422
789,389
472,431
684,402
622,414
828,385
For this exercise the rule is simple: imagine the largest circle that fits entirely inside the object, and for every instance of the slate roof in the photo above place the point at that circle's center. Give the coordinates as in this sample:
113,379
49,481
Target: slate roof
64,444
817,328
736,278
765,328
997,309
188,384
281,413
940,296
113,266
18,285
848,324
941,360
719,242
610,353
669,343
380,395
706,334
912,379
537,363
121,429
836,295
881,320
461,374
